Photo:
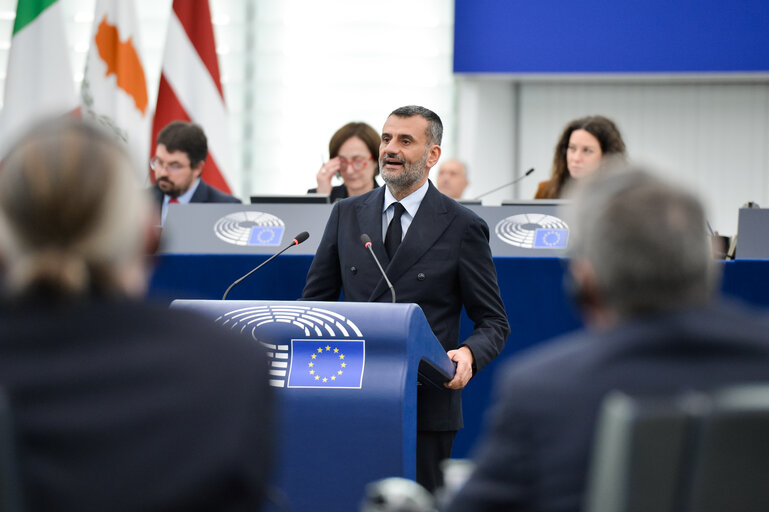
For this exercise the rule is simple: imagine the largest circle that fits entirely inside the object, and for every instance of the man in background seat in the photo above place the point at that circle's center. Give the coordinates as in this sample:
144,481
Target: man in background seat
179,158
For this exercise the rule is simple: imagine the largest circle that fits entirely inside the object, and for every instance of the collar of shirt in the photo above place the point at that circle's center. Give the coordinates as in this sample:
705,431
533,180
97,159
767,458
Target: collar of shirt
183,199
411,203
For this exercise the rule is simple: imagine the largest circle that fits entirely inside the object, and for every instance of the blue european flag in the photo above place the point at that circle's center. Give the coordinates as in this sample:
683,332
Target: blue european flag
551,238
266,235
327,363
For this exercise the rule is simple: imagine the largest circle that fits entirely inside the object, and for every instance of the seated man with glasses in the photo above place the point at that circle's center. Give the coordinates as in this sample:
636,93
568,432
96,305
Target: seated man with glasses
351,157
178,162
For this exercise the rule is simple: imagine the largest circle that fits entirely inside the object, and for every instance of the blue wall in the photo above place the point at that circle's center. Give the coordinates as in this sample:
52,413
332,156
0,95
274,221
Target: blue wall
610,36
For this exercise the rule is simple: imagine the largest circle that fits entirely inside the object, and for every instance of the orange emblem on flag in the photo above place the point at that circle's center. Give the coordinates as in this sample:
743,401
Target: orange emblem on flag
122,61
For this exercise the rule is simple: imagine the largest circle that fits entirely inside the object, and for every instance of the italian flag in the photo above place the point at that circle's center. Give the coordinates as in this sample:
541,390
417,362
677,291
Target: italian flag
39,80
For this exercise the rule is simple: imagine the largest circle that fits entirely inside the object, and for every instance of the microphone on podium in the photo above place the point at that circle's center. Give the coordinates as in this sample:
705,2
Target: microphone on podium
516,180
301,237
367,244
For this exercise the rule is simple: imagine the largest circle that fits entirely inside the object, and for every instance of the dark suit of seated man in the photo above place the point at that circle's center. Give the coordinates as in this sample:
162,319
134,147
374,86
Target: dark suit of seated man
117,404
435,252
179,158
644,279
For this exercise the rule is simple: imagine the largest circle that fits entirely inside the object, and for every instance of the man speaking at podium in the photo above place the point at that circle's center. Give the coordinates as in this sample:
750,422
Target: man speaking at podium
436,254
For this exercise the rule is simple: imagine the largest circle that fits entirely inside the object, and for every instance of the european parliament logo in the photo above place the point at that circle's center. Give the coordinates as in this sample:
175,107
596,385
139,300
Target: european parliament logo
250,228
326,364
533,231
307,347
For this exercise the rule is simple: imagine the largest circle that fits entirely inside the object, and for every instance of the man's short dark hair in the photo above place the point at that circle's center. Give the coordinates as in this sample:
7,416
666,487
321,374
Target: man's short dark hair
434,124
186,137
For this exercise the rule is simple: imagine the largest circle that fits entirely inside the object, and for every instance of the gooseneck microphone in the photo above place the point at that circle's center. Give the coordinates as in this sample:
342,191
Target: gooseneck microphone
516,180
298,239
367,244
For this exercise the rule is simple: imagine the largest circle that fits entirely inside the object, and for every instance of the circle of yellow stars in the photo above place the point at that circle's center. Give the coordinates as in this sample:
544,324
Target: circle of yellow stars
320,352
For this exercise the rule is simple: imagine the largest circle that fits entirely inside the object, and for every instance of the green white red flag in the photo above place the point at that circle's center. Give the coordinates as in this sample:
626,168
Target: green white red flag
39,82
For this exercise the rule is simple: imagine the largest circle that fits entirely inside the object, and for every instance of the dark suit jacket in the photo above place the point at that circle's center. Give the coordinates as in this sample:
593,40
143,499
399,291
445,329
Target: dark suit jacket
121,406
205,193
536,453
443,264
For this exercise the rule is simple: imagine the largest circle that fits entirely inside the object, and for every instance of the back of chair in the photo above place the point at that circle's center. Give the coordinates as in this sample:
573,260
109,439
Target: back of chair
694,452
730,469
10,486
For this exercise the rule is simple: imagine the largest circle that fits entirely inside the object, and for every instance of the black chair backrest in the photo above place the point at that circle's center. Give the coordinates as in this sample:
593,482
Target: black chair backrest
694,452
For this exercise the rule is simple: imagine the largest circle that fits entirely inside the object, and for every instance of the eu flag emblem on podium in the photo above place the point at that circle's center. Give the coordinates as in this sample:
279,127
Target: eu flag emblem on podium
266,235
327,364
551,238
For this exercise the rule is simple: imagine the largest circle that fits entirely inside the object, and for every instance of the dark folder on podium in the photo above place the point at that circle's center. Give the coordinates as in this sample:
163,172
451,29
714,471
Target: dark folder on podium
347,376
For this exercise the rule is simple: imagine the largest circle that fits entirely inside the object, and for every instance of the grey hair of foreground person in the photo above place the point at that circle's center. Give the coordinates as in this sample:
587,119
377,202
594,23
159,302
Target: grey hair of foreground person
73,218
645,239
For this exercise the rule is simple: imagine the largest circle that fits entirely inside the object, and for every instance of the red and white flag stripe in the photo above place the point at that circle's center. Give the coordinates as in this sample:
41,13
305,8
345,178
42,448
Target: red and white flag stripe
190,88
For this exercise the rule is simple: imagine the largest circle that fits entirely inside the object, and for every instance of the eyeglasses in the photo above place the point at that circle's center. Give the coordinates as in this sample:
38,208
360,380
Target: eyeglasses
156,165
356,163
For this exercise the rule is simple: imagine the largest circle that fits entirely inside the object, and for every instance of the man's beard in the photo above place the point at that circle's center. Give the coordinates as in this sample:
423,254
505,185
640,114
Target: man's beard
168,188
412,173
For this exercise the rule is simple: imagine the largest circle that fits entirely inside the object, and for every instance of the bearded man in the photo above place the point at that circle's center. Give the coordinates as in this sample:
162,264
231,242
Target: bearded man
436,254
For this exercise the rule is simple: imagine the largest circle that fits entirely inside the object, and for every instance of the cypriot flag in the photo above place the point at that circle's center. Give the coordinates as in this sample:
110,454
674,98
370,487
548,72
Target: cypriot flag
114,88
39,80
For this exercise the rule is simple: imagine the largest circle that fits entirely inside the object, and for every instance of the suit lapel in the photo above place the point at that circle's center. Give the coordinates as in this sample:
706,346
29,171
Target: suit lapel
369,214
428,225
201,193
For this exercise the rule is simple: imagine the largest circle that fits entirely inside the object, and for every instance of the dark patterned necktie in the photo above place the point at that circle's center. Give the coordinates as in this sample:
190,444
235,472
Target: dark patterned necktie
394,231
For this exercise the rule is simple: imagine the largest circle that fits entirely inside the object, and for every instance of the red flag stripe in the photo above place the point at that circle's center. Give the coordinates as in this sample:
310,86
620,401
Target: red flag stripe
195,17
170,109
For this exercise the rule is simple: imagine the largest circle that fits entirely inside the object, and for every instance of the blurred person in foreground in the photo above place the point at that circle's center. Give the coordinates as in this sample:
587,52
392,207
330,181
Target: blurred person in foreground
644,279
579,151
353,156
452,178
180,155
117,404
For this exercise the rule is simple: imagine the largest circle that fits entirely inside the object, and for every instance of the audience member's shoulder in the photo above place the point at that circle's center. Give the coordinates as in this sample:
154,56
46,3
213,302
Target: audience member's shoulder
226,198
727,318
217,196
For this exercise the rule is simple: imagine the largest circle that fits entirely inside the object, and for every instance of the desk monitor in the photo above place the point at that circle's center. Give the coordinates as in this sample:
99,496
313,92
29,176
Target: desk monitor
292,199
753,234
227,228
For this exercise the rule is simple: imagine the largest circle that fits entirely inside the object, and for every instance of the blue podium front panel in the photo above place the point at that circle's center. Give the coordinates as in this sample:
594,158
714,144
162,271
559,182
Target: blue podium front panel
346,378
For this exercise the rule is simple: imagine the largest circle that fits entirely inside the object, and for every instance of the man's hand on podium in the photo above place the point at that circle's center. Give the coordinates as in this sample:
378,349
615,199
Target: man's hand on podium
463,356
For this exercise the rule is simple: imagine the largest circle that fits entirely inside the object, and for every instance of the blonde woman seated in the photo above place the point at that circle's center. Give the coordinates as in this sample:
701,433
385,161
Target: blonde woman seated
118,404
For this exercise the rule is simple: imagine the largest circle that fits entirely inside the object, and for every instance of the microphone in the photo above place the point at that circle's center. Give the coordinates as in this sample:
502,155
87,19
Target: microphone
367,243
301,237
516,180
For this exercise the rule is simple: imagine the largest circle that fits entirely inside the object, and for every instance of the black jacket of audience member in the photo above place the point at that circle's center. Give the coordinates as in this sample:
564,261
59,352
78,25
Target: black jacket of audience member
119,405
